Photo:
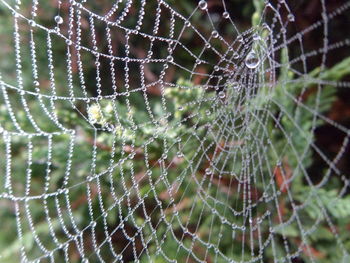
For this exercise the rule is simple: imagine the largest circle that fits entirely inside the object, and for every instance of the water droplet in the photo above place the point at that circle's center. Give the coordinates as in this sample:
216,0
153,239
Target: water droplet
132,155
207,171
170,58
32,23
236,86
236,55
216,68
58,20
256,37
203,5
180,108
222,95
187,24
69,42
109,127
291,17
252,60
207,112
215,34
180,154
226,15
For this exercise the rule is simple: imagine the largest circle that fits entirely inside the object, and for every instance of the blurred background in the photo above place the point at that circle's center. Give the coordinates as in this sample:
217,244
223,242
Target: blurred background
117,144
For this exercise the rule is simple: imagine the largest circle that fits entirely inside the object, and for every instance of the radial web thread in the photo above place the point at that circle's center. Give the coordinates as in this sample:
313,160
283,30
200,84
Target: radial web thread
165,131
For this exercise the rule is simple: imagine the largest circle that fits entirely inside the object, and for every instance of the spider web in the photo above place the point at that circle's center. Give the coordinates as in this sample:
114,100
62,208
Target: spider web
150,137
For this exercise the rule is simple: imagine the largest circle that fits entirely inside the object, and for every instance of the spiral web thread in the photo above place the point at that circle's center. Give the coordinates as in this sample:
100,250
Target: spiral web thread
230,127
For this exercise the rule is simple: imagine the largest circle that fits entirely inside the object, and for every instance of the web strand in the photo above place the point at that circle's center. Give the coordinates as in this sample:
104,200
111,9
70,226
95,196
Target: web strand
148,131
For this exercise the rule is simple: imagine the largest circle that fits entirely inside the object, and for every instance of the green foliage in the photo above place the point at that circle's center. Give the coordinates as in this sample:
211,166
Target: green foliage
107,137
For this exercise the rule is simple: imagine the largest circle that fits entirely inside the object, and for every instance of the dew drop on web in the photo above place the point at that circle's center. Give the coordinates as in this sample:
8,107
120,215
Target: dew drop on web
215,34
202,5
252,60
226,15
58,20
291,17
